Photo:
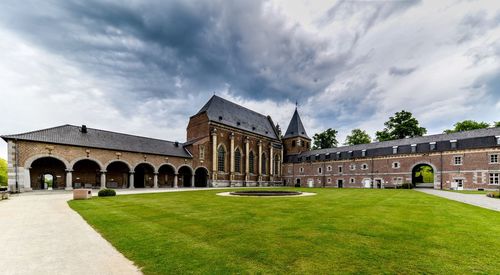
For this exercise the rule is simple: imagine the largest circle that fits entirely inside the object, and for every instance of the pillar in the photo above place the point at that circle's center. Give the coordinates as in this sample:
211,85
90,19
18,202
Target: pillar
27,180
69,180
260,161
131,180
271,160
175,180
247,154
231,159
155,180
214,154
103,179
192,180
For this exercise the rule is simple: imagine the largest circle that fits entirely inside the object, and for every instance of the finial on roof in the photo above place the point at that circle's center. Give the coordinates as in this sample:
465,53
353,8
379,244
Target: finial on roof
296,104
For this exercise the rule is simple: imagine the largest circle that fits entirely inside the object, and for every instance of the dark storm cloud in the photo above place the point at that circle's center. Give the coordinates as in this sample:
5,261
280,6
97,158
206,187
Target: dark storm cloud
170,49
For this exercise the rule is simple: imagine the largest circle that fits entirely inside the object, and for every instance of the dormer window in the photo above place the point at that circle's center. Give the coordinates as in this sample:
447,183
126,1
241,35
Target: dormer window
220,118
363,153
498,140
253,128
394,149
453,144
338,155
238,123
432,146
413,148
327,156
317,157
351,154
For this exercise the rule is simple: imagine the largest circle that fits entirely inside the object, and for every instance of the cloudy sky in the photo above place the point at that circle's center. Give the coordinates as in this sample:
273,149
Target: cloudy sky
143,67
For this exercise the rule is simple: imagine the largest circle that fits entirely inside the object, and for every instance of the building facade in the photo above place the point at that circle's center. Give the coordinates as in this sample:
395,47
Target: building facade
228,145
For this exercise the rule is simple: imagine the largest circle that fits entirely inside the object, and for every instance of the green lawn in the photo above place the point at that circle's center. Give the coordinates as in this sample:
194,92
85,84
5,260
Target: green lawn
469,191
337,231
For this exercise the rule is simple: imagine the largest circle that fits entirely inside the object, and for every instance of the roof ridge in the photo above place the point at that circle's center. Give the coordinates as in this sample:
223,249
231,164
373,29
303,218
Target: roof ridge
234,103
36,131
130,135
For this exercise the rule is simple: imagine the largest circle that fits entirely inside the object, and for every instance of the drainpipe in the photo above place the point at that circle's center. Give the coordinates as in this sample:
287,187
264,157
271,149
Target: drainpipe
371,183
16,167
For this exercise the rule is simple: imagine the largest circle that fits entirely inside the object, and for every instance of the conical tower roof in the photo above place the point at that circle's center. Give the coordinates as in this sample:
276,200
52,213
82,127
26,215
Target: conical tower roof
296,128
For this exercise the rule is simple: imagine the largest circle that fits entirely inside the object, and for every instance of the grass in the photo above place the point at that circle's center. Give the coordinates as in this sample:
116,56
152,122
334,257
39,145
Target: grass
361,231
469,191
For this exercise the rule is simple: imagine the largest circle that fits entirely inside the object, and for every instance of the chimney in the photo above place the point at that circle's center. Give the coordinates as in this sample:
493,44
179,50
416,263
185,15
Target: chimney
84,129
176,144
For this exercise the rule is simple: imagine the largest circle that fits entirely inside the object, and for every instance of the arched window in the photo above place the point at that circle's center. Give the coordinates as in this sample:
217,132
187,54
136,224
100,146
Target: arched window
276,164
237,160
250,162
263,161
221,157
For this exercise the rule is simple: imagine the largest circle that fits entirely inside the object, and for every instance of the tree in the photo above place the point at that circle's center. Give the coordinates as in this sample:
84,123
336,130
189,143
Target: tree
399,126
3,172
467,125
496,124
357,136
326,139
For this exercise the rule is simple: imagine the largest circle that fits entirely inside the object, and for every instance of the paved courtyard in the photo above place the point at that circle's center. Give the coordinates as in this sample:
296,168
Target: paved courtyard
474,199
40,234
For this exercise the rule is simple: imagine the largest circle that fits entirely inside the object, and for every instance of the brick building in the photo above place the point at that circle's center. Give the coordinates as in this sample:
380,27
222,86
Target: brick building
229,145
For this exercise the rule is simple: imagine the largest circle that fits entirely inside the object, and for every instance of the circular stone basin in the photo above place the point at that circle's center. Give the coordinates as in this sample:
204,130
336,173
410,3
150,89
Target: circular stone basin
265,193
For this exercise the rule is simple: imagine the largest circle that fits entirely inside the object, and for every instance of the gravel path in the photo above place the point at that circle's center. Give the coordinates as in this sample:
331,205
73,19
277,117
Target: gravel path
474,199
41,234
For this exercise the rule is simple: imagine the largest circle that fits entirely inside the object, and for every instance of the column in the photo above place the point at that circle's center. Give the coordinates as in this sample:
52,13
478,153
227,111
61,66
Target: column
103,179
231,159
155,180
27,180
192,181
247,154
131,180
260,161
175,180
69,180
214,154
271,160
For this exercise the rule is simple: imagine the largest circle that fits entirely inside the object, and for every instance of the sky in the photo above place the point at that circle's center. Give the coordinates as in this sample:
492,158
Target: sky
144,67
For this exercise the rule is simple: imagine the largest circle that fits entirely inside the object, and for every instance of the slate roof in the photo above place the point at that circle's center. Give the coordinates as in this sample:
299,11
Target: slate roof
480,138
94,138
231,114
296,128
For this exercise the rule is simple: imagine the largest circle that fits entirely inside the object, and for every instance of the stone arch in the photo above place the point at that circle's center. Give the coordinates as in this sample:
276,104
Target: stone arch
118,160
166,175
145,162
29,161
420,163
144,174
201,175
185,175
73,162
46,165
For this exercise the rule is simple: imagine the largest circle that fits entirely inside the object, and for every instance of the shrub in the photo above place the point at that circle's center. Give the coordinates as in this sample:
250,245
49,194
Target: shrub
106,193
407,185
493,195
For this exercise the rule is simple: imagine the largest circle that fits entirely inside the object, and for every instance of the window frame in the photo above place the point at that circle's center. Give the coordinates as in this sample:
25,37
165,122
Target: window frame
494,178
455,158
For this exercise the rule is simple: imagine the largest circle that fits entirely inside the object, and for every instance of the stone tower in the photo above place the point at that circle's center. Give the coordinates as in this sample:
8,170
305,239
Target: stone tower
296,140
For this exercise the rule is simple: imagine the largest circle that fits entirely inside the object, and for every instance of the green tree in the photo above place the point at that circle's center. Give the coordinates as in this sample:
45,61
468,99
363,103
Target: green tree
357,136
497,123
3,172
399,126
325,139
467,125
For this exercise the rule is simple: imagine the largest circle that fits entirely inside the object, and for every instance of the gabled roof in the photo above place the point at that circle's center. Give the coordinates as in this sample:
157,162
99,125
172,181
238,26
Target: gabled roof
94,138
296,128
464,135
231,114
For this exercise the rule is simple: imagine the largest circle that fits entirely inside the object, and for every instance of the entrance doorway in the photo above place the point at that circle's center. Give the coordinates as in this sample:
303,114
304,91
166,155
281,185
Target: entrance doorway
423,176
48,182
340,183
48,172
378,183
201,177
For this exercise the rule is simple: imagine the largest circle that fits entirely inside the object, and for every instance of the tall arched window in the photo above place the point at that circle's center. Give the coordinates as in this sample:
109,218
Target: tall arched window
276,164
250,162
221,157
263,161
237,161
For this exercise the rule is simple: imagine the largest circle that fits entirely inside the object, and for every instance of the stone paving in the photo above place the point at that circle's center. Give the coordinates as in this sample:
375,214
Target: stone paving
474,199
41,234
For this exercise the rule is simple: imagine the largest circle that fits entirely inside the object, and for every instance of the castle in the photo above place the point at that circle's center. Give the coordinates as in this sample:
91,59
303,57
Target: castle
229,145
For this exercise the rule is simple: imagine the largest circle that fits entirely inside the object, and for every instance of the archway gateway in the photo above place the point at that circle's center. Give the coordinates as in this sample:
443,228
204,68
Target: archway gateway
166,176
143,176
201,177
86,174
117,175
185,176
46,173
423,176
